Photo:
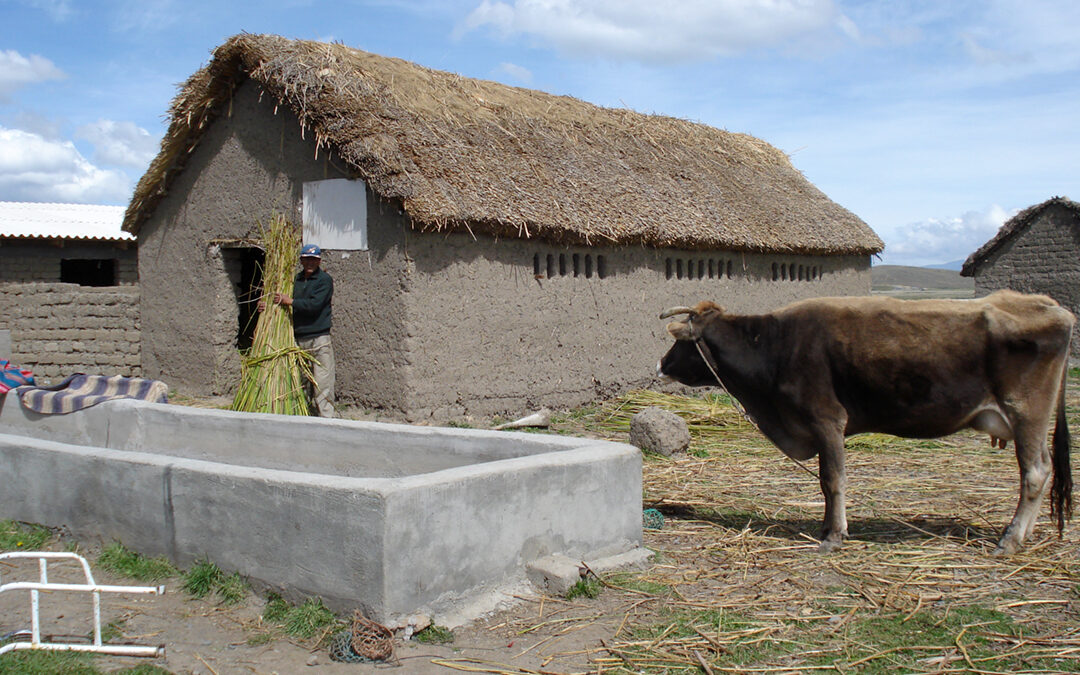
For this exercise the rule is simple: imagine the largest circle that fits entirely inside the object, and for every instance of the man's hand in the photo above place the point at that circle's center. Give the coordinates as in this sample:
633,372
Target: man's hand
282,299
278,299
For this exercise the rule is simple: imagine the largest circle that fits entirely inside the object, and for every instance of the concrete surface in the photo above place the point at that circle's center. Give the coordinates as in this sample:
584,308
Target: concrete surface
389,518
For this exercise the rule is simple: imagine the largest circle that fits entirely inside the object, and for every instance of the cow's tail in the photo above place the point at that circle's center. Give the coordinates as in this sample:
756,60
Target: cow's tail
1061,491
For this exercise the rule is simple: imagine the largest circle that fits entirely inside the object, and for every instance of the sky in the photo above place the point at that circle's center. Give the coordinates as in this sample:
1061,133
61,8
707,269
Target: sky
934,121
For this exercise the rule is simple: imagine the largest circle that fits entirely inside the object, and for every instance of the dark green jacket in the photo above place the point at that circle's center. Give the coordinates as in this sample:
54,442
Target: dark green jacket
311,305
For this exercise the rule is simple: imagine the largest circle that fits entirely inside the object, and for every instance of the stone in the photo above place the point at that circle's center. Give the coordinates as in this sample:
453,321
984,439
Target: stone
657,430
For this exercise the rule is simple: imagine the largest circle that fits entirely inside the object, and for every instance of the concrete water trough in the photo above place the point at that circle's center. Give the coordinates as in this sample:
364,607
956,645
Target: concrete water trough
389,518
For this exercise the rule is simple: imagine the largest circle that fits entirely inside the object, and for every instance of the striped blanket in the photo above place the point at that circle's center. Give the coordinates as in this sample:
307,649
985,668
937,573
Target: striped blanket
12,376
80,391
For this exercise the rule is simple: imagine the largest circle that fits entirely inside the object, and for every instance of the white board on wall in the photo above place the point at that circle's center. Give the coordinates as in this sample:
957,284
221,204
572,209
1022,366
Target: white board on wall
335,214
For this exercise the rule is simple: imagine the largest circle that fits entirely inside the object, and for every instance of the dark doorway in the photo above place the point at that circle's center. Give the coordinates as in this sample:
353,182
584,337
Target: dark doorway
244,267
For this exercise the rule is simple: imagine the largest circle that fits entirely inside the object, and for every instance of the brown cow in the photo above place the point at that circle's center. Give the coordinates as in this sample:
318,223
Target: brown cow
818,370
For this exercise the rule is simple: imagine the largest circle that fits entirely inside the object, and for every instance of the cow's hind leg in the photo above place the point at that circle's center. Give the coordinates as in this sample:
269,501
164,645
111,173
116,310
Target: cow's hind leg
1033,458
833,477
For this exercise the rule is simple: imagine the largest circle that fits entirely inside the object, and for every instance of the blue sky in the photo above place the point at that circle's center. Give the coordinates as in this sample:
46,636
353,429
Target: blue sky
933,121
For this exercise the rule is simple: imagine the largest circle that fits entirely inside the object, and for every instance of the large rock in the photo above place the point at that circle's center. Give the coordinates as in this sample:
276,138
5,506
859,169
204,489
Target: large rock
657,430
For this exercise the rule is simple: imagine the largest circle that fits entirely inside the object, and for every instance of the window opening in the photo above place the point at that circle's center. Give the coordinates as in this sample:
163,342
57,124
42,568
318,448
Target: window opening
550,266
601,266
88,272
588,266
562,264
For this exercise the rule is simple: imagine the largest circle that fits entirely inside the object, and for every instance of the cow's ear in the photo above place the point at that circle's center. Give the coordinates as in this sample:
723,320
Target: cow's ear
680,330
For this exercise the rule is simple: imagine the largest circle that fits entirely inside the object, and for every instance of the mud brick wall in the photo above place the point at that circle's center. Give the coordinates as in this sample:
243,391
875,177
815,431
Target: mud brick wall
39,260
60,329
1041,259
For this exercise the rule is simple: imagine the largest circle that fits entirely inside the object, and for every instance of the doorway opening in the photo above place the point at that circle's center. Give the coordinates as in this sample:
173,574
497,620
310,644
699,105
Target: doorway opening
244,265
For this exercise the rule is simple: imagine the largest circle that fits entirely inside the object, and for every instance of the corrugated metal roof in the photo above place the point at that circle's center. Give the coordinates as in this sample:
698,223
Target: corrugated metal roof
66,221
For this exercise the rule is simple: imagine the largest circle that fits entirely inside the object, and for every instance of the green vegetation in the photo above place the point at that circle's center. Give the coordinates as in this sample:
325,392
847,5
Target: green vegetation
118,559
589,587
205,578
301,621
26,662
636,582
435,635
21,537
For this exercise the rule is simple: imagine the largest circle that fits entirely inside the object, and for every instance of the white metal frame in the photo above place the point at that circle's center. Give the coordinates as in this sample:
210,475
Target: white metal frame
95,589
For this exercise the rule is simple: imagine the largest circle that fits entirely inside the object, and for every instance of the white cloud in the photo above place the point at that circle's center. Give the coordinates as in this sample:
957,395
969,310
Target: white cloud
119,143
59,10
941,240
516,72
650,31
33,168
17,70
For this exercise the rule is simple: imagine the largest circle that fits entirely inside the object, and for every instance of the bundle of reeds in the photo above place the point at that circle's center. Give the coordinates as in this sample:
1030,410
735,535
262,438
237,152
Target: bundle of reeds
274,370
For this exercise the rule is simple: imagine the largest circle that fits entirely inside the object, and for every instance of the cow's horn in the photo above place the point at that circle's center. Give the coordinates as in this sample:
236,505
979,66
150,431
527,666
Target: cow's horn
676,310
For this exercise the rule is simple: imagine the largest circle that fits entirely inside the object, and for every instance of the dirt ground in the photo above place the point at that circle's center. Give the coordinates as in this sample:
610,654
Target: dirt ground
737,583
205,636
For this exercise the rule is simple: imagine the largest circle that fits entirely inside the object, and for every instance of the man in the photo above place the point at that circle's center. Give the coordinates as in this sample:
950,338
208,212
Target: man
313,291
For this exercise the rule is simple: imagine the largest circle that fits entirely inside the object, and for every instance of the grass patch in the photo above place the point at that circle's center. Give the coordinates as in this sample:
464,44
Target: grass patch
22,537
205,578
233,589
435,635
259,639
110,631
587,587
743,641
28,662
897,642
119,559
635,582
303,620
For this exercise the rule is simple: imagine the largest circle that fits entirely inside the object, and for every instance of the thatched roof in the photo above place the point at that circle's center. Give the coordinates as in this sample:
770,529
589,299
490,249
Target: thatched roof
465,154
1010,229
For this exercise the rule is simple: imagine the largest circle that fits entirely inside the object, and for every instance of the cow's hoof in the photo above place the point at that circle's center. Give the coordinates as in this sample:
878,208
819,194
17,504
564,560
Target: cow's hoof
1004,548
829,545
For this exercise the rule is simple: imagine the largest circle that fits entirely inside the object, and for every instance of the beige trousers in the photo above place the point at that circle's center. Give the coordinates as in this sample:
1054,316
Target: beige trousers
323,373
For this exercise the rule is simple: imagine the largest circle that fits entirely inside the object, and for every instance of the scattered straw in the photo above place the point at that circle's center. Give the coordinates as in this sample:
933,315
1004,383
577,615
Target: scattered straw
738,586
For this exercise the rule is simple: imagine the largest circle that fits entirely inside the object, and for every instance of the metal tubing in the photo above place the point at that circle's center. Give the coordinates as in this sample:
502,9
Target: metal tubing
91,587
119,650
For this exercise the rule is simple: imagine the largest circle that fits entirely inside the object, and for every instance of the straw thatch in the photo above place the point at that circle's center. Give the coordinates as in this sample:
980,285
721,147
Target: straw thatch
470,155
1013,226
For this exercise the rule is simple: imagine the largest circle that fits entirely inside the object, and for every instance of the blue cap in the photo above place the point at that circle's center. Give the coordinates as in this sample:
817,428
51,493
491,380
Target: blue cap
310,251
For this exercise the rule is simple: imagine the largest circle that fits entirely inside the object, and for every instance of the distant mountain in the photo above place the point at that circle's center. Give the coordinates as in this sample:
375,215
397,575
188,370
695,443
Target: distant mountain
920,282
954,265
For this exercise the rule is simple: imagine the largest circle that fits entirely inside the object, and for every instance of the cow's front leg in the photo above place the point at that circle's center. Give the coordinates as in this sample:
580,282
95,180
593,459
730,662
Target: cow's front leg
1033,458
833,477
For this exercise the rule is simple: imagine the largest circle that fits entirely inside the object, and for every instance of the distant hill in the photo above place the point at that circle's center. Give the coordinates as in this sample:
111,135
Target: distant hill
920,282
954,265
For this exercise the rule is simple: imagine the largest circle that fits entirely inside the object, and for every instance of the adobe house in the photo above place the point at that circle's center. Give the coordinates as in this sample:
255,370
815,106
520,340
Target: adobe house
1035,251
69,289
67,243
494,249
